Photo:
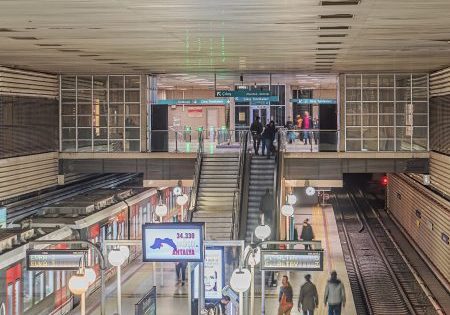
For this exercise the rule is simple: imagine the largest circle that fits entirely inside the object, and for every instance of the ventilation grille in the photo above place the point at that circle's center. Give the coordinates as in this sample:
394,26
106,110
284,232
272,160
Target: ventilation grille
440,83
27,83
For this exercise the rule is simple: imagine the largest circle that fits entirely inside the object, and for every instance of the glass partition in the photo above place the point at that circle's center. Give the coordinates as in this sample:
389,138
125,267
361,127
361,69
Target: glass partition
100,113
386,112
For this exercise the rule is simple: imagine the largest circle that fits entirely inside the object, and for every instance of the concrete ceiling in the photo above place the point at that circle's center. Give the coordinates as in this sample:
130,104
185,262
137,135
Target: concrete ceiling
195,36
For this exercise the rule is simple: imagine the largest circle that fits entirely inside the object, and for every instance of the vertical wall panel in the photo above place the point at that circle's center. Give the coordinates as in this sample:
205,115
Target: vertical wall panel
425,217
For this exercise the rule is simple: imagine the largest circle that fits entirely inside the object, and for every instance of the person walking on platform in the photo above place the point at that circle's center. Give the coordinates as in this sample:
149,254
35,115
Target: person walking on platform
266,206
308,299
180,268
307,234
256,128
334,295
268,136
285,297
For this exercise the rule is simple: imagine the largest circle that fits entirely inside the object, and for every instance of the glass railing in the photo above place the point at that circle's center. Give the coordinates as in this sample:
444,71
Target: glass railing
309,140
187,141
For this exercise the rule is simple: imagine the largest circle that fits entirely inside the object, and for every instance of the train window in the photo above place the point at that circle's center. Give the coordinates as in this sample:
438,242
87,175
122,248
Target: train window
27,290
17,293
38,287
49,283
9,294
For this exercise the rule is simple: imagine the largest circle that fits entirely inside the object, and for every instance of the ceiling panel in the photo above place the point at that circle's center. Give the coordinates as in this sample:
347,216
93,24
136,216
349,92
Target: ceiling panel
193,36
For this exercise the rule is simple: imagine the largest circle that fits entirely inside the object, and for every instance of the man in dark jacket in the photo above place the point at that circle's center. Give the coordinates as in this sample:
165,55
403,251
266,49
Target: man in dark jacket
256,128
268,136
308,299
307,233
266,207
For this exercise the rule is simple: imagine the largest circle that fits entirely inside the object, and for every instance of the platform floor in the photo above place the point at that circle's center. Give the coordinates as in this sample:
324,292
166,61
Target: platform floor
138,279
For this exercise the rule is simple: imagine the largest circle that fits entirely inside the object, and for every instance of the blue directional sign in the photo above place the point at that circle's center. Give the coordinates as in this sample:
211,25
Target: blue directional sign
242,93
199,101
256,99
3,214
320,101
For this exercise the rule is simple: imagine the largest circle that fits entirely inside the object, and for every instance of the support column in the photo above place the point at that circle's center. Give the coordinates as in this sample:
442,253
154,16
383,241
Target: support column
152,98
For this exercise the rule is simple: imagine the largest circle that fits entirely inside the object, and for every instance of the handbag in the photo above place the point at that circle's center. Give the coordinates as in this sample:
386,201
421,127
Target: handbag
285,305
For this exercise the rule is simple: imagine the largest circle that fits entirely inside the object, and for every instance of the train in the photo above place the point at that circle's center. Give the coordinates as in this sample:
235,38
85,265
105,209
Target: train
98,215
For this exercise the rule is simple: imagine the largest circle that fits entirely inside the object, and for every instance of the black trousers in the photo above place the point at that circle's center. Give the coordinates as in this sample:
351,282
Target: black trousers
180,268
256,143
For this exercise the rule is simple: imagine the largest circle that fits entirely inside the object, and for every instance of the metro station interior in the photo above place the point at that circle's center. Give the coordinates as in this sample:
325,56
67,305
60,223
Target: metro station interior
234,158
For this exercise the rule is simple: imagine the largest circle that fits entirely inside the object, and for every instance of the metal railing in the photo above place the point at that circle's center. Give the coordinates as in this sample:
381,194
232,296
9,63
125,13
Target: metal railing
277,191
309,140
196,182
238,195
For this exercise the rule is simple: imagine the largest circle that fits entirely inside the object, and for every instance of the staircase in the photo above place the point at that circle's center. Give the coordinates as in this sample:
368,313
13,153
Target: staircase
218,182
262,173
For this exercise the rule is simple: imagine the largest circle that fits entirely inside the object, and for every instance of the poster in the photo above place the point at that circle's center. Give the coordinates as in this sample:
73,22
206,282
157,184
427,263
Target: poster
195,112
173,242
214,274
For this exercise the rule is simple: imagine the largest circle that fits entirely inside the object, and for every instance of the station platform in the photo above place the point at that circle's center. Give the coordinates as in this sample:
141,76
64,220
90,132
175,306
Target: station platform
172,298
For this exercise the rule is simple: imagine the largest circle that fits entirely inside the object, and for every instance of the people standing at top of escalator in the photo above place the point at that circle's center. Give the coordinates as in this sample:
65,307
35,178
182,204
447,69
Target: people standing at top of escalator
307,124
316,127
256,128
268,136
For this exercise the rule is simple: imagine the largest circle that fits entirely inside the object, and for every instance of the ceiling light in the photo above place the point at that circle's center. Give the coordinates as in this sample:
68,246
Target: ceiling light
329,43
23,37
337,16
334,27
49,45
328,48
70,50
340,2
332,35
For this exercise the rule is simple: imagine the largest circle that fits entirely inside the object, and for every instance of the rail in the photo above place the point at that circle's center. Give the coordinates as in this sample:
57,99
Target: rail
309,140
383,277
277,191
238,193
196,182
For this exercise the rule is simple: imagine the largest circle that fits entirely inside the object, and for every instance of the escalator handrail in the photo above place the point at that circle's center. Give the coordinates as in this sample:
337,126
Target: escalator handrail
277,185
238,195
196,181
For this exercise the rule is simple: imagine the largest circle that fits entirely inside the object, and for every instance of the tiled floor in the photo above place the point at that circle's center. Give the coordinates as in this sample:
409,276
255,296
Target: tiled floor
173,299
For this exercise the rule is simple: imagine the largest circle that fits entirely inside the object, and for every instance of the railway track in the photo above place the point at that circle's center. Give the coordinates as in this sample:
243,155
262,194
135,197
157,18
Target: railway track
24,208
380,279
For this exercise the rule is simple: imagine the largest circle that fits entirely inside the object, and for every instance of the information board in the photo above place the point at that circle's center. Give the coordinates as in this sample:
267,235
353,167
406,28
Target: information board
173,242
58,259
147,305
302,260
3,214
214,274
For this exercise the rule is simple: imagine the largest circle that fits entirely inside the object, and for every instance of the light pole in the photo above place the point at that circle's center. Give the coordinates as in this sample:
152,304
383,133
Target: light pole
181,201
161,211
78,285
116,258
262,232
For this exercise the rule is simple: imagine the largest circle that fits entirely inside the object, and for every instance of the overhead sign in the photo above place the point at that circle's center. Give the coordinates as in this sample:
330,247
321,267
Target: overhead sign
173,242
301,260
3,215
214,274
147,305
58,259
242,93
320,101
256,99
199,101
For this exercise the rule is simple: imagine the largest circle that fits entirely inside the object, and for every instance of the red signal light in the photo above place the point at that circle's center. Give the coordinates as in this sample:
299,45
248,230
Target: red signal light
384,181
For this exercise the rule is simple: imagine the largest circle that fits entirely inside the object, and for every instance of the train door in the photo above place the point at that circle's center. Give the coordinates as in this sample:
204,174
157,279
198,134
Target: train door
14,290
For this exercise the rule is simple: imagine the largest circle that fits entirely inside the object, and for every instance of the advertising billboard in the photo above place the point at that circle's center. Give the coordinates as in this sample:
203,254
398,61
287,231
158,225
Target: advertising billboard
214,274
173,242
